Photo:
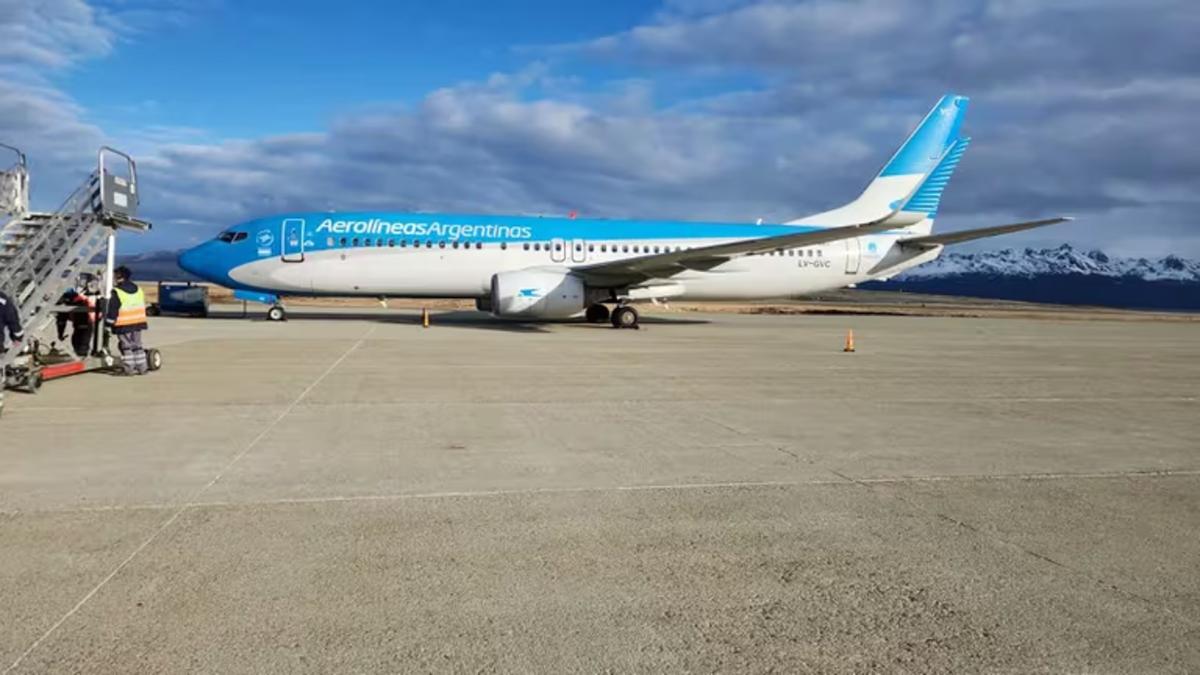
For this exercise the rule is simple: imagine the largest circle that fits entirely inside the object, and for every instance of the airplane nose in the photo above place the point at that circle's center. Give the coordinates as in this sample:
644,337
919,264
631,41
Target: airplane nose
193,261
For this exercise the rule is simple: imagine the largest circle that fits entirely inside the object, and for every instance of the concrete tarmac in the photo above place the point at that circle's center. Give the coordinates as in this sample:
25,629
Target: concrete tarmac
349,492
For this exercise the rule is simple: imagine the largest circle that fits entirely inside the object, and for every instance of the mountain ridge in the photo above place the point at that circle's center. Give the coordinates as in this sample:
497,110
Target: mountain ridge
1060,261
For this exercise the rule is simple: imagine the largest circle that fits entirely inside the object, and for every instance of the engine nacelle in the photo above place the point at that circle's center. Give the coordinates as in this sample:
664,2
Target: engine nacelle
537,294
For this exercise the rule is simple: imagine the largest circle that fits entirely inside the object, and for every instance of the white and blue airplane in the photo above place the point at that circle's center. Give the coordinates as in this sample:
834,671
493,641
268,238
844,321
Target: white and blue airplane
531,267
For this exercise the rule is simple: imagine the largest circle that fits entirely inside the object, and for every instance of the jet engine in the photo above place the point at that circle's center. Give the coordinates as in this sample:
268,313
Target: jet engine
537,294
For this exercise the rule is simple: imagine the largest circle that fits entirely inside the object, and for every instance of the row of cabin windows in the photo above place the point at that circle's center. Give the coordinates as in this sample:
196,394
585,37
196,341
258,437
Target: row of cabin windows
538,246
794,252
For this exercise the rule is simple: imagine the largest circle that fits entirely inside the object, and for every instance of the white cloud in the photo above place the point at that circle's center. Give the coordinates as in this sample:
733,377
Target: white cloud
51,33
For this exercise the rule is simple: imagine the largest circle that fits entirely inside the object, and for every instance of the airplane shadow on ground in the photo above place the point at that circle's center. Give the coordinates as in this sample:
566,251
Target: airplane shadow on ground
453,319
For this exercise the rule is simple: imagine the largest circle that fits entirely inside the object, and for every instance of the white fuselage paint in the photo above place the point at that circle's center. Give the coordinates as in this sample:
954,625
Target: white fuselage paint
448,272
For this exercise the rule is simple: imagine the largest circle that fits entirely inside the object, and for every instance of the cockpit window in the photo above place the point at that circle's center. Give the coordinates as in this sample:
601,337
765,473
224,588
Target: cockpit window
230,237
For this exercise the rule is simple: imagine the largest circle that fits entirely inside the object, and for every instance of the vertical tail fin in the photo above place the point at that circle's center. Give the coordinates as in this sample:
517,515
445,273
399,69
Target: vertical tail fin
920,167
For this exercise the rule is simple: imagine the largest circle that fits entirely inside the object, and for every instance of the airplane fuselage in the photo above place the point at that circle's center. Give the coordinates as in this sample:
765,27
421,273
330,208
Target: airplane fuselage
456,256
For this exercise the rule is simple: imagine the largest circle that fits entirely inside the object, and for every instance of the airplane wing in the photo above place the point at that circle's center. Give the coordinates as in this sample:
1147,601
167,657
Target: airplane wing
933,240
663,265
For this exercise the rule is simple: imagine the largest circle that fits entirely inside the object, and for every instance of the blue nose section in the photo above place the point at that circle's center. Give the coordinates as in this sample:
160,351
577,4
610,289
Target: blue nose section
209,261
193,261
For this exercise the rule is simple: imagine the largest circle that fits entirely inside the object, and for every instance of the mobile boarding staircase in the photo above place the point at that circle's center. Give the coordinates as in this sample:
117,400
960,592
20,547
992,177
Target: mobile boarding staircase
42,254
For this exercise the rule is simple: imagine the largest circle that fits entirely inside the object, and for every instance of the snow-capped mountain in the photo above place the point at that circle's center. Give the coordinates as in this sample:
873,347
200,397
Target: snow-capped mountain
1063,260
1060,275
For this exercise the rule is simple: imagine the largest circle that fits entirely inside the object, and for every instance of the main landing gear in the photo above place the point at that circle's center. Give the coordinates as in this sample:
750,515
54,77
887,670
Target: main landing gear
277,313
624,316
621,316
597,313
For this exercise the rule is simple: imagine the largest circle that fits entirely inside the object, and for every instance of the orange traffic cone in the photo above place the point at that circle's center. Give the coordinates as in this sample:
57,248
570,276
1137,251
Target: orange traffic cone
849,341
425,317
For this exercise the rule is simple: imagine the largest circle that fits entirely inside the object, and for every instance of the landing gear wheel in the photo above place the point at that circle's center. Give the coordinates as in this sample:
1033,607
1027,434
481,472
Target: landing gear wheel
277,313
597,313
625,317
33,383
153,359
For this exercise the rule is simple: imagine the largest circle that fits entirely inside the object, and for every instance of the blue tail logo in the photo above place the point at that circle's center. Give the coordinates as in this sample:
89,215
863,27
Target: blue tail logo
929,195
928,144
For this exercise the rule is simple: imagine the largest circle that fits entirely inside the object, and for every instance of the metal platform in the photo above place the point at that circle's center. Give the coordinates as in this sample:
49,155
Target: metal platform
42,254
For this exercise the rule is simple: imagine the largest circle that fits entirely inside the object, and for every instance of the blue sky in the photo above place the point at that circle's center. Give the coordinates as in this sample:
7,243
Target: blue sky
690,109
277,67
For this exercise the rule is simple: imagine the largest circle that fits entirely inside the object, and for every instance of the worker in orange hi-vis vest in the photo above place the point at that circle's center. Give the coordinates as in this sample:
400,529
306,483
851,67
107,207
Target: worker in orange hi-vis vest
126,318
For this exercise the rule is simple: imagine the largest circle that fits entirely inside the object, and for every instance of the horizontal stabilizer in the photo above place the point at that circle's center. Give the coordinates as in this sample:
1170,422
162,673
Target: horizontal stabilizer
961,236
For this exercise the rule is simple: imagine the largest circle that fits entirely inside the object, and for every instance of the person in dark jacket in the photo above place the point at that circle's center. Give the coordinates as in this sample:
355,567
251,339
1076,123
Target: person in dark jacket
126,318
10,329
81,316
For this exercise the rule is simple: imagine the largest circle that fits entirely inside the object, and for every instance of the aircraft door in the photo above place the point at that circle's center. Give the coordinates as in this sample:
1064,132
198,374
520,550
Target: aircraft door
293,240
558,250
578,251
853,255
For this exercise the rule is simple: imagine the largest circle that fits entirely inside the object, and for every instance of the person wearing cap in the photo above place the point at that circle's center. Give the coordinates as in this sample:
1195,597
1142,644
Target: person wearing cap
126,318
